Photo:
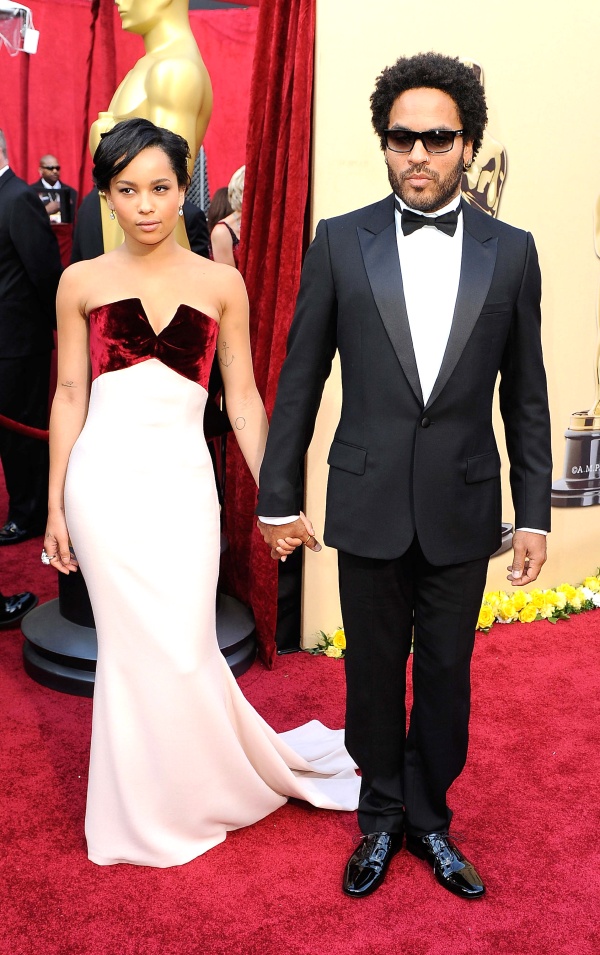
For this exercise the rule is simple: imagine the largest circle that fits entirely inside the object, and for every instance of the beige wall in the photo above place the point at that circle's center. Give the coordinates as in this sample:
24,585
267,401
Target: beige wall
542,79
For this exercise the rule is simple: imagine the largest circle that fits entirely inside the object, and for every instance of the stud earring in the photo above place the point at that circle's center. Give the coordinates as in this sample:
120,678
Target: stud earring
180,210
467,165
112,214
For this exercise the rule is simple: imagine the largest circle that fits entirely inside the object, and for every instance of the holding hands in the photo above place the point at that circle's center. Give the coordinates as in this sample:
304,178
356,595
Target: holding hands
283,539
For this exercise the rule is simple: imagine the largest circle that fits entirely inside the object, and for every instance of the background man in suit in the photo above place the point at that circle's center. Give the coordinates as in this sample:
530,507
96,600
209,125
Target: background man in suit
29,272
426,299
59,199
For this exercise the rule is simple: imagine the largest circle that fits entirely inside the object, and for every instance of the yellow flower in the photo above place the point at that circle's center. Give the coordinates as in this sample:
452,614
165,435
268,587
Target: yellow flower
551,597
592,583
537,598
338,639
494,597
561,600
486,618
546,611
506,610
333,652
520,599
528,613
567,590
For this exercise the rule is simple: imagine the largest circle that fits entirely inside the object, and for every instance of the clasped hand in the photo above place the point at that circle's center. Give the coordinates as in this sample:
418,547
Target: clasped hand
283,539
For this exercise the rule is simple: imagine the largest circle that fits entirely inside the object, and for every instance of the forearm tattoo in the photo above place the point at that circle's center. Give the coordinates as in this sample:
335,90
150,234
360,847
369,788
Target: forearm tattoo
240,423
68,384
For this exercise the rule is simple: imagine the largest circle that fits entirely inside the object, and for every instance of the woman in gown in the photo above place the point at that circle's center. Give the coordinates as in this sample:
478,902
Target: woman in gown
178,756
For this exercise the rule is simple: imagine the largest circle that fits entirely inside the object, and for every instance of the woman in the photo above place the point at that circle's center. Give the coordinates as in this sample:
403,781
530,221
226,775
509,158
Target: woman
218,208
225,237
178,756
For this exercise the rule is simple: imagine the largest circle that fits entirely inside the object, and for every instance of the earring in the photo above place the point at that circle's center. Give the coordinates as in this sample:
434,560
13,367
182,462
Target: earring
180,210
112,214
467,165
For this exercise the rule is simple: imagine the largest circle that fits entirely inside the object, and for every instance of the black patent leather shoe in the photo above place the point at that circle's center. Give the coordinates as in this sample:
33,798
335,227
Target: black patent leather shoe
368,865
449,865
13,609
11,533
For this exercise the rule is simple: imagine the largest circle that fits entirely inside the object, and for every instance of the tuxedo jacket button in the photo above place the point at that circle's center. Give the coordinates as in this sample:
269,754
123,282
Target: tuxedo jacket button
425,422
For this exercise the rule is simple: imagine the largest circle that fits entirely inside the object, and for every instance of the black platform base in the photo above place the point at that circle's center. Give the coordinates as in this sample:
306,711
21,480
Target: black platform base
507,536
61,654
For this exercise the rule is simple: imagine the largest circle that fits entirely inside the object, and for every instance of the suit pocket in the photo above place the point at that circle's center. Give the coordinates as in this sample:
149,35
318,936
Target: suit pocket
347,457
496,308
482,467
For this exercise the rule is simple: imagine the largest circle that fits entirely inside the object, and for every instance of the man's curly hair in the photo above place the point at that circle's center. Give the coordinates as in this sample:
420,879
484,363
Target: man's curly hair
435,71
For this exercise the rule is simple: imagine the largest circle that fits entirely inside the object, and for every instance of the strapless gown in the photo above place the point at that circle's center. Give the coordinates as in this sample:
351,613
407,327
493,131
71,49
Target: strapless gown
178,755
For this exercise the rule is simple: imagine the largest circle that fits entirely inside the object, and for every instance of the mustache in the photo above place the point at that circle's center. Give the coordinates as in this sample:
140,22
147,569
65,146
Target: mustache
418,170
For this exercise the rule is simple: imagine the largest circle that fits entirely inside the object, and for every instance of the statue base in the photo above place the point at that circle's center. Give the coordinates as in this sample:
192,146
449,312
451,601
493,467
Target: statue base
580,483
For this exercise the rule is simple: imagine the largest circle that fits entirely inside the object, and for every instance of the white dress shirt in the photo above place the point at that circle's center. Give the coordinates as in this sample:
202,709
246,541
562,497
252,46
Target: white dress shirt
430,264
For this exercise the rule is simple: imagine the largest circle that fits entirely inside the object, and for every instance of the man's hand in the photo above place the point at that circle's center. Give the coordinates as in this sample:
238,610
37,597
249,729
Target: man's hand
529,556
284,538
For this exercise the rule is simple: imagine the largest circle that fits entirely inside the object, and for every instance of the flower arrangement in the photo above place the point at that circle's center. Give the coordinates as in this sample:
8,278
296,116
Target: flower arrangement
331,644
500,607
527,606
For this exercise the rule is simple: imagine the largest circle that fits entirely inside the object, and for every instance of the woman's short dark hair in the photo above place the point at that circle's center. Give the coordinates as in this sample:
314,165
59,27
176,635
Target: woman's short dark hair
434,71
128,139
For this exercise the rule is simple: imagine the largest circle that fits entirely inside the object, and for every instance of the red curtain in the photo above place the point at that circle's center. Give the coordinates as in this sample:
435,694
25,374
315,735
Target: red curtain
275,204
49,100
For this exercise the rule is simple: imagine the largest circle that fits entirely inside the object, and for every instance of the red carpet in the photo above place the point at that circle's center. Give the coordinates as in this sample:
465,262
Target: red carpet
527,805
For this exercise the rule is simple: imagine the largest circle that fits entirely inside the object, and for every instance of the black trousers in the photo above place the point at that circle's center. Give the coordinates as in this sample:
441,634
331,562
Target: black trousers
405,776
24,384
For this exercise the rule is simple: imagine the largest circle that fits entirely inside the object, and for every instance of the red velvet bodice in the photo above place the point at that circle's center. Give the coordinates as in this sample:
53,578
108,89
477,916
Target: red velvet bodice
121,336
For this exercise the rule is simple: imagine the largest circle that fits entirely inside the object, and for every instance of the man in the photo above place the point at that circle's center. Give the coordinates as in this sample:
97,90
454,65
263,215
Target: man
426,299
29,272
60,200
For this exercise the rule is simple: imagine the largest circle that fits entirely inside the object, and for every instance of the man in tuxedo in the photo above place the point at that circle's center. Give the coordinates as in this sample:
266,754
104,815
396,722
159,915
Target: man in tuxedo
427,300
29,272
59,199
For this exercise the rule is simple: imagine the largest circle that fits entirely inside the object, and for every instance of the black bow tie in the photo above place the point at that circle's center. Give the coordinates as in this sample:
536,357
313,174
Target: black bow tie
411,221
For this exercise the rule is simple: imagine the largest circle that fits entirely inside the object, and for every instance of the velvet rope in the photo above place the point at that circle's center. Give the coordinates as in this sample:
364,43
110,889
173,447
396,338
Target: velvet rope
272,245
25,429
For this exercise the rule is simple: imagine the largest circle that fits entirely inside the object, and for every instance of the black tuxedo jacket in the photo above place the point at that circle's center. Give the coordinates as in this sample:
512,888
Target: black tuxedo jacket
69,207
30,269
399,466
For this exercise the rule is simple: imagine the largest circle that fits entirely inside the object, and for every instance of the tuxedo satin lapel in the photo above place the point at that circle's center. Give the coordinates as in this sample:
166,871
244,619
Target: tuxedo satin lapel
380,254
477,269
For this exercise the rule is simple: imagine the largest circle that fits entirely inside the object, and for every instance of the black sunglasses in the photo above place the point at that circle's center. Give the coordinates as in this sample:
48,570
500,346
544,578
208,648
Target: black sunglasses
56,168
434,140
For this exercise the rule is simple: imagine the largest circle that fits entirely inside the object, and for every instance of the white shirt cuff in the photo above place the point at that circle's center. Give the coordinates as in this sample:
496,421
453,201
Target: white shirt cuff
533,530
279,520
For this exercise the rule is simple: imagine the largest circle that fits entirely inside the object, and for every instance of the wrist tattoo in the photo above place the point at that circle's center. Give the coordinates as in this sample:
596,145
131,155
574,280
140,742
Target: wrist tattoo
68,384
240,423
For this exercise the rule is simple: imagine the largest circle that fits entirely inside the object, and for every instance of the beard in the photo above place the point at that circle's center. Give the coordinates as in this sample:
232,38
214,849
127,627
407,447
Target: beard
442,190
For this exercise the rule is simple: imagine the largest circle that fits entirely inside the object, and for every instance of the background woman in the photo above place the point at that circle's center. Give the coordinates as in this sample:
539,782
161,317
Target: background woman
178,756
225,236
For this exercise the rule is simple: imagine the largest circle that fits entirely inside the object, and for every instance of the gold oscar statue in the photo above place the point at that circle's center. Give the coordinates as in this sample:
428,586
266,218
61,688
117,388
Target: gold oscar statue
580,483
169,85
482,182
